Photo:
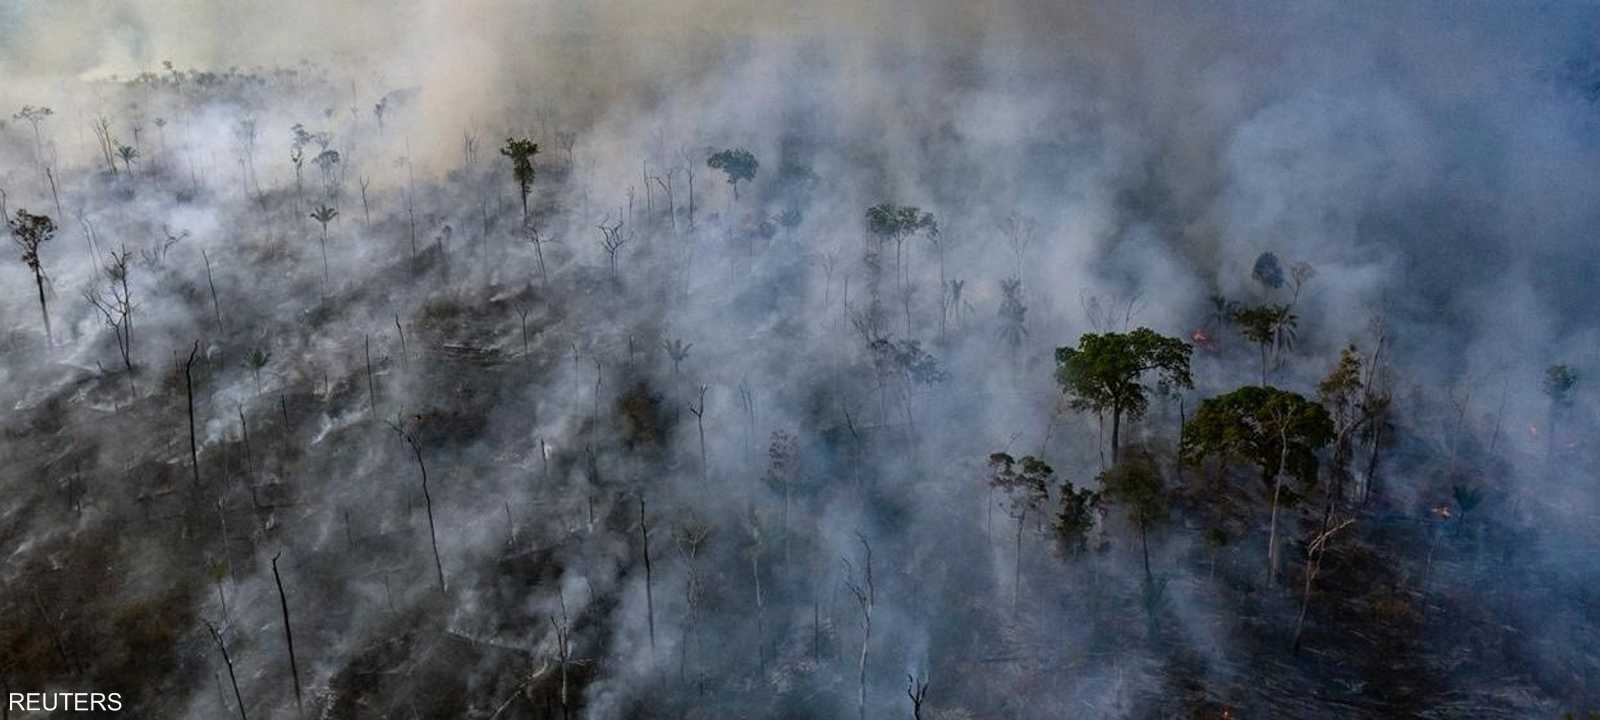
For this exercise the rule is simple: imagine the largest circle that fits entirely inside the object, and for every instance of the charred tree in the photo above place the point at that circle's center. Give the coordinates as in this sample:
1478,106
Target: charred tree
188,386
433,536
228,661
288,636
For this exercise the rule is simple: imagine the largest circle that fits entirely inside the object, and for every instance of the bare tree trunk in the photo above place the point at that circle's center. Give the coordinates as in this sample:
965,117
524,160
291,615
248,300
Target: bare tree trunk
816,628
283,404
49,336
54,193
918,692
1016,576
1314,563
433,537
866,597
564,651
649,592
238,698
1116,433
1144,543
761,609
188,384
405,357
288,635
1372,459
699,411
324,257
690,174
216,307
372,388
522,312
1277,490
244,429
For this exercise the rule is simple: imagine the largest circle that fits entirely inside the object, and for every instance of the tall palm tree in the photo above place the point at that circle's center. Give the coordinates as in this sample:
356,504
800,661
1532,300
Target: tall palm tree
324,215
128,154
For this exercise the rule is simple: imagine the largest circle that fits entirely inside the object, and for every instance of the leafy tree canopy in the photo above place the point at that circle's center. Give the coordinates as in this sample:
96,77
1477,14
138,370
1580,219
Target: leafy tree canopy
1076,518
30,231
906,357
1025,482
1268,270
521,152
1251,423
1261,323
1136,485
1106,370
888,220
738,164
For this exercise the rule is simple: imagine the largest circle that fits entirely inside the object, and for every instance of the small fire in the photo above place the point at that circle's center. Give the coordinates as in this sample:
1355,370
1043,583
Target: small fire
1200,337
1443,511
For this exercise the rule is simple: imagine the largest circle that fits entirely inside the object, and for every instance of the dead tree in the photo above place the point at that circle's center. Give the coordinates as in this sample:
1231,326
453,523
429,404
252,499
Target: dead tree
917,691
30,232
223,648
511,526
522,312
244,430
649,592
115,303
866,598
405,357
107,142
747,402
563,652
288,636
1281,420
688,172
538,241
698,409
433,536
1314,552
665,183
34,116
691,538
753,526
216,307
55,192
188,386
372,388
612,241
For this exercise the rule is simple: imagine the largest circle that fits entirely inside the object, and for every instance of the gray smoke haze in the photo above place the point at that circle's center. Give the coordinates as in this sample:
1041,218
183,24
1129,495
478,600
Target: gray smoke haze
1434,162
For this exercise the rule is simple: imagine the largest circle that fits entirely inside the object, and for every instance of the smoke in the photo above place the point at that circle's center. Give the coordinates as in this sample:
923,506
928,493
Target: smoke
1433,164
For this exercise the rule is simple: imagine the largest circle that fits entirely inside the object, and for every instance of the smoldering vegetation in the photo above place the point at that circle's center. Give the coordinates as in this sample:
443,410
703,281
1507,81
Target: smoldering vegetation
882,361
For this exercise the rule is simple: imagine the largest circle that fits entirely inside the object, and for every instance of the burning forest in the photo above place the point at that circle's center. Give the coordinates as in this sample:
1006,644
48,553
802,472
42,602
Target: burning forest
491,359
